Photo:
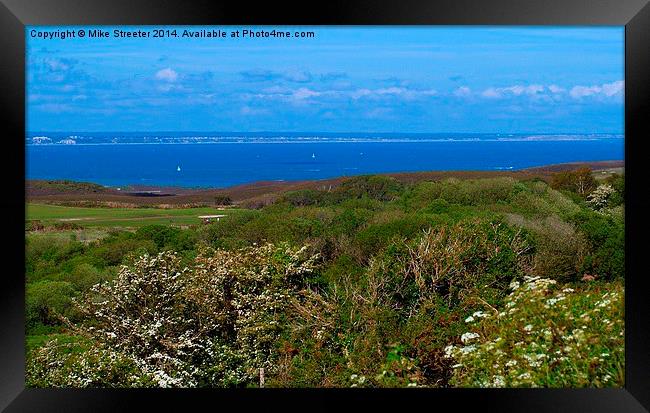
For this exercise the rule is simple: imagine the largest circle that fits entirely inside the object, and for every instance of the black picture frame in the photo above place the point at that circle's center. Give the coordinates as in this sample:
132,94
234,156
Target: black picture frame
16,14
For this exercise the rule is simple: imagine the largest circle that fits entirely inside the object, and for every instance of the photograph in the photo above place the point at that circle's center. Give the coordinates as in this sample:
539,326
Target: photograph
320,206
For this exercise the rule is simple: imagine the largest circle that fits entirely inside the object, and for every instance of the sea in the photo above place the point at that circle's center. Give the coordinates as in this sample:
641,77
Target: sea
224,159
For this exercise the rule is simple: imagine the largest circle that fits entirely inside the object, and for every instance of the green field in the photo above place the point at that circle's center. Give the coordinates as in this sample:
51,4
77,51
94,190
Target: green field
120,217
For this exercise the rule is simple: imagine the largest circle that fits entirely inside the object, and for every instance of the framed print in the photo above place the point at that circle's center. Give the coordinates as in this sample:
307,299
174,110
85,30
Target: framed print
381,203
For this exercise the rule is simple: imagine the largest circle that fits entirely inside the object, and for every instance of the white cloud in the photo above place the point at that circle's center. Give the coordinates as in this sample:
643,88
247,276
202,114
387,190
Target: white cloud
304,93
167,75
392,91
57,65
611,89
606,89
491,93
516,90
556,89
582,91
463,91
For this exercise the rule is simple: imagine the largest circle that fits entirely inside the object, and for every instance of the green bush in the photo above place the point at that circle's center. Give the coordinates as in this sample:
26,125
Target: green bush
161,235
45,301
559,249
454,262
375,236
302,198
606,238
377,187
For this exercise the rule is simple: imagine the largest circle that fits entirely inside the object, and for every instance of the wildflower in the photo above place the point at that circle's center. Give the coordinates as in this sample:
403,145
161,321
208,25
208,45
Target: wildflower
468,336
528,327
480,314
524,376
469,319
467,349
449,351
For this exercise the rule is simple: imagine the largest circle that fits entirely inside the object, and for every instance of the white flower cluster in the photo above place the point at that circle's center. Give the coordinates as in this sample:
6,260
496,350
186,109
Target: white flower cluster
215,323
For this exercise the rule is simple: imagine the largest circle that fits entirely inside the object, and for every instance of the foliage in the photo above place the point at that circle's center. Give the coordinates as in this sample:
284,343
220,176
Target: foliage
214,324
606,237
46,300
545,336
71,364
401,266
224,200
600,197
580,181
560,249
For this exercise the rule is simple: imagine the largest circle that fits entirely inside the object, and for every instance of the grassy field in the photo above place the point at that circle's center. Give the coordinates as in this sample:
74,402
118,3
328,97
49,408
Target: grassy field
119,217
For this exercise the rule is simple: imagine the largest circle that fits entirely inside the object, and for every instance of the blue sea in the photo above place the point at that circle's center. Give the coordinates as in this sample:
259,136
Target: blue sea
192,159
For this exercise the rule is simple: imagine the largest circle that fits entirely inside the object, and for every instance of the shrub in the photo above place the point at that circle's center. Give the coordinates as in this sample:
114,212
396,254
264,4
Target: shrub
388,226
71,364
223,200
212,325
606,238
472,257
302,198
559,249
378,187
618,183
580,181
46,301
228,231
161,235
114,251
84,276
34,225
546,336
600,198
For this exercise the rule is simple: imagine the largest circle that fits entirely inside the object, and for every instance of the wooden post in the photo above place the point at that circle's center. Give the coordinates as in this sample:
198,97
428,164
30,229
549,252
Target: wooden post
262,377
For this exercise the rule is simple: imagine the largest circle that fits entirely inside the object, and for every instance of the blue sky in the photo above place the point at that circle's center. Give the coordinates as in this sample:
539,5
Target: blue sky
345,79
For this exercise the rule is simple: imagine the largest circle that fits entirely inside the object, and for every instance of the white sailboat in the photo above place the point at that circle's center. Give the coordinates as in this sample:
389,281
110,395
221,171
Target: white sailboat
178,168
313,156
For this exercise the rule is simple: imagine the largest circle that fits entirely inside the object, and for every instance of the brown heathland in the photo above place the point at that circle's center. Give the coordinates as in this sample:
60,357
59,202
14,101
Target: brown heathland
257,193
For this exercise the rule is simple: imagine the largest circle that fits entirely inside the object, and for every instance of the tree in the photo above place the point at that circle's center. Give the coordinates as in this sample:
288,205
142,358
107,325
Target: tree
580,181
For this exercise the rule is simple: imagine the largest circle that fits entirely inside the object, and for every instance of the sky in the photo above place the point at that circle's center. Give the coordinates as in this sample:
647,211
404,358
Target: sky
344,79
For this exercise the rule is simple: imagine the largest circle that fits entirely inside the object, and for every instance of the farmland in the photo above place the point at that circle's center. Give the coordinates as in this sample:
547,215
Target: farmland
119,217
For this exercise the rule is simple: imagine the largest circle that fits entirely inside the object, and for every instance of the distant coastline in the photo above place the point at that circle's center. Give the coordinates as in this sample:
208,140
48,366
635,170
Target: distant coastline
149,138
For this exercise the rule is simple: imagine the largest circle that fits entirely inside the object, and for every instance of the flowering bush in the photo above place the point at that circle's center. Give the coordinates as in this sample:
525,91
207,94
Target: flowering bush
599,198
214,324
546,336
69,364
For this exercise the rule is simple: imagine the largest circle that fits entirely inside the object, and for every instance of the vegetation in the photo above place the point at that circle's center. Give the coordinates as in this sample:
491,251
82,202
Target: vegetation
45,216
373,283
